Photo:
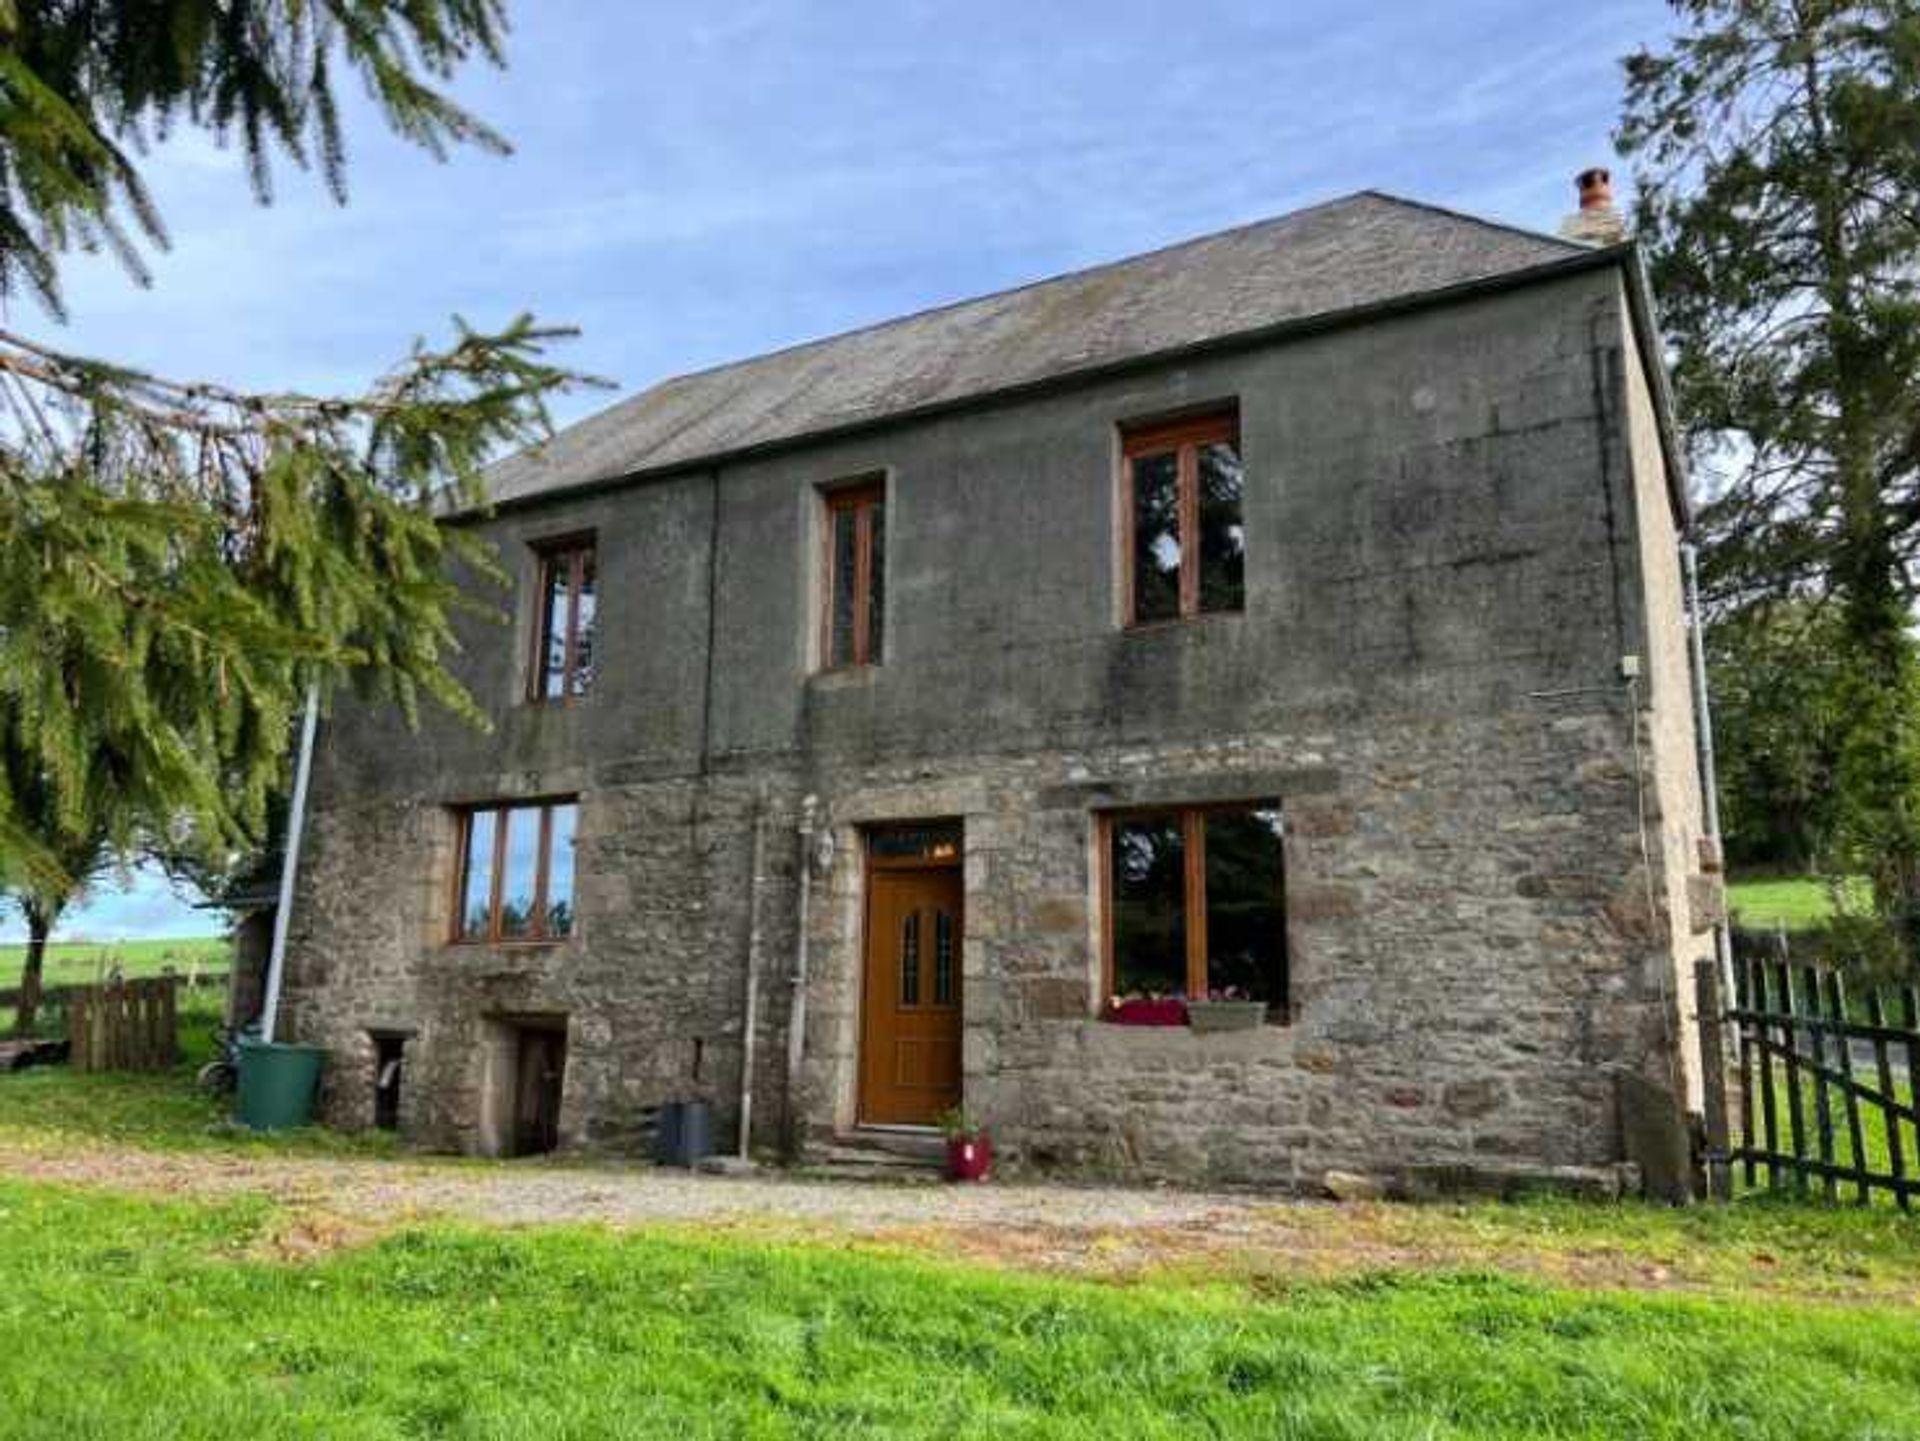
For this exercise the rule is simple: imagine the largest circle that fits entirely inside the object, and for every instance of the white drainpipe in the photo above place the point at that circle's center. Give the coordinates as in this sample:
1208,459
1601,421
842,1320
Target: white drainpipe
283,913
797,1010
1703,740
749,1033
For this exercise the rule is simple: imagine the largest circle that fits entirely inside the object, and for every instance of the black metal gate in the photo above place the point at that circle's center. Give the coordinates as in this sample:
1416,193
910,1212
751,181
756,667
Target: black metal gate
1823,1093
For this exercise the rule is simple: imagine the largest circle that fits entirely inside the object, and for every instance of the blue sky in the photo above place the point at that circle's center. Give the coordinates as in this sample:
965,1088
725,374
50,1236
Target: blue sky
692,183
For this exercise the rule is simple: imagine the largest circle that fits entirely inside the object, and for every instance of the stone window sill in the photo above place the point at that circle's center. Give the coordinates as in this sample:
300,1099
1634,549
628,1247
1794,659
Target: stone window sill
1173,625
1112,1024
844,677
1122,1043
555,704
456,951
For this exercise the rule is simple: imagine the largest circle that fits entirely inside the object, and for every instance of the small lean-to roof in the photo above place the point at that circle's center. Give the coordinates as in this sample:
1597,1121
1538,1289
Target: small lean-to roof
1354,254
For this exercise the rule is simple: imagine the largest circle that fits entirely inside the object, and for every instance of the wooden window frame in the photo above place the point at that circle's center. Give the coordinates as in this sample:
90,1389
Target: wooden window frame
573,551
543,865
1184,438
1193,893
860,497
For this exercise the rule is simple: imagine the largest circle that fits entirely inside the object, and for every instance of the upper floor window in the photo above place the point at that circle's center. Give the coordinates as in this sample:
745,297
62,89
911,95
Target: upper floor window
1185,538
856,574
516,872
563,662
1195,903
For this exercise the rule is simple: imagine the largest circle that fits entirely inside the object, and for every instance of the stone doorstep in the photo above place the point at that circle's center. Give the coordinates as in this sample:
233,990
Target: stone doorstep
873,1154
921,1145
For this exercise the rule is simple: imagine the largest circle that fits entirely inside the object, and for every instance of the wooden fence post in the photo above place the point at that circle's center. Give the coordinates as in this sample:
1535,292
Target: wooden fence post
1710,1012
169,1023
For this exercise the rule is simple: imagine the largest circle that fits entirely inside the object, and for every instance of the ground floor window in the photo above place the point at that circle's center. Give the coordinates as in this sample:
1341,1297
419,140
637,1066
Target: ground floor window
1196,903
516,872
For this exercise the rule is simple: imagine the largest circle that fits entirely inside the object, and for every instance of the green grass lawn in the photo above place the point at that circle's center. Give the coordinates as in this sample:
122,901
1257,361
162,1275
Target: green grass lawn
1799,903
1875,1152
52,1105
82,962
126,1317
123,1316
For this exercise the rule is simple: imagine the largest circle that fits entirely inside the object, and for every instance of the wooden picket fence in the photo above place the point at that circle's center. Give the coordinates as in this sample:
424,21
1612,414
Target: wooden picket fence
1826,1088
124,1025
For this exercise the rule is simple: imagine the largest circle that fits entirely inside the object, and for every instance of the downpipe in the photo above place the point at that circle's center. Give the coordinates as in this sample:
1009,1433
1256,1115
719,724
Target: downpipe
797,1002
1703,747
290,865
749,1033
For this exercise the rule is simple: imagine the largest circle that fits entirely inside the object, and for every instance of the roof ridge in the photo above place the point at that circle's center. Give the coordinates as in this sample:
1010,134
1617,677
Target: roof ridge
1026,285
1572,247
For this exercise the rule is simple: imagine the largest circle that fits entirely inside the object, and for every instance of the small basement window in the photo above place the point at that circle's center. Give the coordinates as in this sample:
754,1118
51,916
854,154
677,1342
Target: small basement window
1195,904
564,655
516,872
1182,511
855,574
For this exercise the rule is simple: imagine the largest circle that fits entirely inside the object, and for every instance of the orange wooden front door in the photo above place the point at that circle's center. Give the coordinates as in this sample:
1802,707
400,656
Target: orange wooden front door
910,1011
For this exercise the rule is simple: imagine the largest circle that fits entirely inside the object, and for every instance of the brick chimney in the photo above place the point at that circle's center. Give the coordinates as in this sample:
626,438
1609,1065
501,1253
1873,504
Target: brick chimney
1596,222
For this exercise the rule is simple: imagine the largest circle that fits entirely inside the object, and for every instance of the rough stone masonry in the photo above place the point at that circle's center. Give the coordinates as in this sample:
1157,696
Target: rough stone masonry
1459,521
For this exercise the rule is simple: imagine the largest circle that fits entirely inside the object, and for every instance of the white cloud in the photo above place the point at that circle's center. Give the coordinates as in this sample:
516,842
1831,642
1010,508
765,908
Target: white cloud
146,905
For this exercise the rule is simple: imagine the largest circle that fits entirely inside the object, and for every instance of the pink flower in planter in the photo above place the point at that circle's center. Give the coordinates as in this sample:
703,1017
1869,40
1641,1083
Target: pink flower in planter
1147,1011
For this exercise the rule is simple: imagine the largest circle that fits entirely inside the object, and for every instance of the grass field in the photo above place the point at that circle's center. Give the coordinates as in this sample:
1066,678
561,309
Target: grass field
81,962
54,1106
1799,903
1874,1152
125,1317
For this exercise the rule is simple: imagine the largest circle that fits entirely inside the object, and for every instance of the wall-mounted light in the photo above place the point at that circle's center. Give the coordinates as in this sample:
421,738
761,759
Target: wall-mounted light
816,840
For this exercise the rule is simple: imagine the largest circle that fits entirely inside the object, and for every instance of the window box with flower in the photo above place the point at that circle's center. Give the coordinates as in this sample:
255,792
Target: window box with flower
1137,1010
1229,1009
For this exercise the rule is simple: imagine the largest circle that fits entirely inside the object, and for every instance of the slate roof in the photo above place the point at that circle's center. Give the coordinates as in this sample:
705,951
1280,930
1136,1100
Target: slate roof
1354,253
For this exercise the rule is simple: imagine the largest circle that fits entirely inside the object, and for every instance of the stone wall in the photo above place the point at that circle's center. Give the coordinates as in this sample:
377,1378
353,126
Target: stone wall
1691,894
1471,957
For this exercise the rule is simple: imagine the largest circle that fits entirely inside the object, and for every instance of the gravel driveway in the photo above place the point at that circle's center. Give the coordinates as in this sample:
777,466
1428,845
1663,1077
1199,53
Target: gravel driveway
1071,1227
1103,1232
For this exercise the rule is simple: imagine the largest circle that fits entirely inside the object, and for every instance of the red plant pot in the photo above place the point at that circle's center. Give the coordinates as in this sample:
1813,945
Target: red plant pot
1170,1011
969,1158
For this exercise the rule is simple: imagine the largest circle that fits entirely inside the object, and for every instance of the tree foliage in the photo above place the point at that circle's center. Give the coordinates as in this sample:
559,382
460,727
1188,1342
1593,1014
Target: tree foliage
178,562
1775,670
1779,196
1778,148
87,85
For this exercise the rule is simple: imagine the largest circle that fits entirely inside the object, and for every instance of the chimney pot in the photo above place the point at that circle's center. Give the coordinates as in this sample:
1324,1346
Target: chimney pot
1596,222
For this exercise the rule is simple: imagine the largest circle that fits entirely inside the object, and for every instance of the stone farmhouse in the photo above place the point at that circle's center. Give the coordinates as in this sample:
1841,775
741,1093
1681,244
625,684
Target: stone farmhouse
1291,616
